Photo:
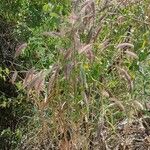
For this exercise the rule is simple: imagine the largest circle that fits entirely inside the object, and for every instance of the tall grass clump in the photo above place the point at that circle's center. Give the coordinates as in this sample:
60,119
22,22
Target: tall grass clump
88,94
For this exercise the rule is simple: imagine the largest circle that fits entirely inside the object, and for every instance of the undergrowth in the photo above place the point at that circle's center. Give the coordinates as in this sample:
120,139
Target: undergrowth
88,79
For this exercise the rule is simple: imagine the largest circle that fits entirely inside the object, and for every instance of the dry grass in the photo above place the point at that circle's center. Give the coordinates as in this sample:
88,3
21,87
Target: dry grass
74,110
